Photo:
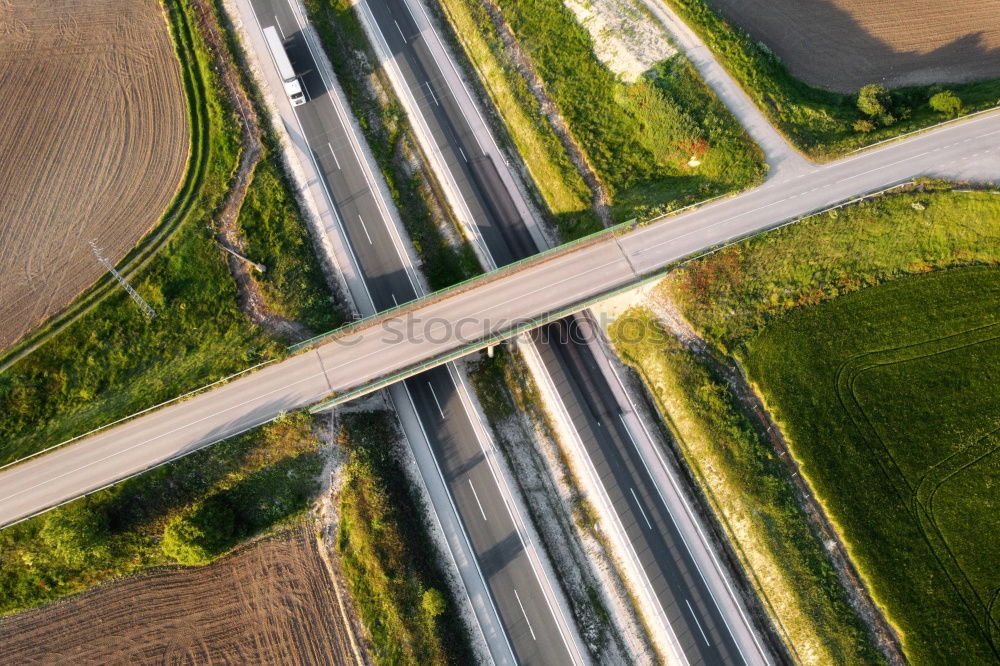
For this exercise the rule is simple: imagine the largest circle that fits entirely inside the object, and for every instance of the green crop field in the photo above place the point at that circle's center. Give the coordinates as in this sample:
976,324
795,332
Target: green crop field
638,136
890,400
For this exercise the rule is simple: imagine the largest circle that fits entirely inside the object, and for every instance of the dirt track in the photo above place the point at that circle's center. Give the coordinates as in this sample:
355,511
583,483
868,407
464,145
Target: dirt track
269,603
844,44
93,145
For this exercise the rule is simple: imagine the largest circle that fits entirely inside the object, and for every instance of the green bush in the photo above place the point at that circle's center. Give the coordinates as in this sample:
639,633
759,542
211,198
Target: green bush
864,125
946,102
77,534
200,534
874,100
433,603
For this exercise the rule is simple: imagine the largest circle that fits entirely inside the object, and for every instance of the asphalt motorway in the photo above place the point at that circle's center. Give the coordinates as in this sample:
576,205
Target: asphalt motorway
694,618
528,619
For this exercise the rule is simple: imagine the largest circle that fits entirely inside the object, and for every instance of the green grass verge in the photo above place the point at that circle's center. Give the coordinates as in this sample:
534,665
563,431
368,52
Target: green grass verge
384,124
638,136
820,123
238,488
112,361
561,187
272,224
397,587
277,236
750,494
730,295
890,403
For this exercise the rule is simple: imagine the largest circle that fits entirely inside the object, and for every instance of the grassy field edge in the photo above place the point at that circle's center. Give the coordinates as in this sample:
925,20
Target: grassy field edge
818,122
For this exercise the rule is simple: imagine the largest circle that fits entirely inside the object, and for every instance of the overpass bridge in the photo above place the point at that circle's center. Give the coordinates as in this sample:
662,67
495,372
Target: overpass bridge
386,348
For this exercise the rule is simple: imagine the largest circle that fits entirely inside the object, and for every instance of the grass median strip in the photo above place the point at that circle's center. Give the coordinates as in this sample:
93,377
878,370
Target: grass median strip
399,591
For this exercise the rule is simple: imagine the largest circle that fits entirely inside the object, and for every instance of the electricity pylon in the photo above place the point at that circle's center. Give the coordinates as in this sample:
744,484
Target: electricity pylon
143,305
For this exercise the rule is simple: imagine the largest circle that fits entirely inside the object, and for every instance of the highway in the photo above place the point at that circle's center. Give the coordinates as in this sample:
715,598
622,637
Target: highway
446,417
688,609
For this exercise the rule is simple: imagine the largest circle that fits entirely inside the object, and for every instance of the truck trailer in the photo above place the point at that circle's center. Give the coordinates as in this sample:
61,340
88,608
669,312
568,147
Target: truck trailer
291,82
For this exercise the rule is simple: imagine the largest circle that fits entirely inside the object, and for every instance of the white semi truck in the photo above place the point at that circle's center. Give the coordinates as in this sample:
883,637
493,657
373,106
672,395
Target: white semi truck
291,82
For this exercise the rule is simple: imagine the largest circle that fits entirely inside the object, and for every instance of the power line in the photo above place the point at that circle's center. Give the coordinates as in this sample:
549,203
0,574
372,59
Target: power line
143,305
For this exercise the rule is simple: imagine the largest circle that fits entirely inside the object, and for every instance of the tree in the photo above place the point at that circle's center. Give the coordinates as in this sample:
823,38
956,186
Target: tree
873,99
946,102
433,603
198,535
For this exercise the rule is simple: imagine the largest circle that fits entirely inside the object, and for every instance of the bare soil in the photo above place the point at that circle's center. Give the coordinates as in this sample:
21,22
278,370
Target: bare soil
845,44
93,144
271,602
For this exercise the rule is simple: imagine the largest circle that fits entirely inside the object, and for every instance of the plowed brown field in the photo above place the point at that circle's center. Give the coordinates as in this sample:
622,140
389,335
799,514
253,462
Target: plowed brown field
269,603
844,44
93,144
